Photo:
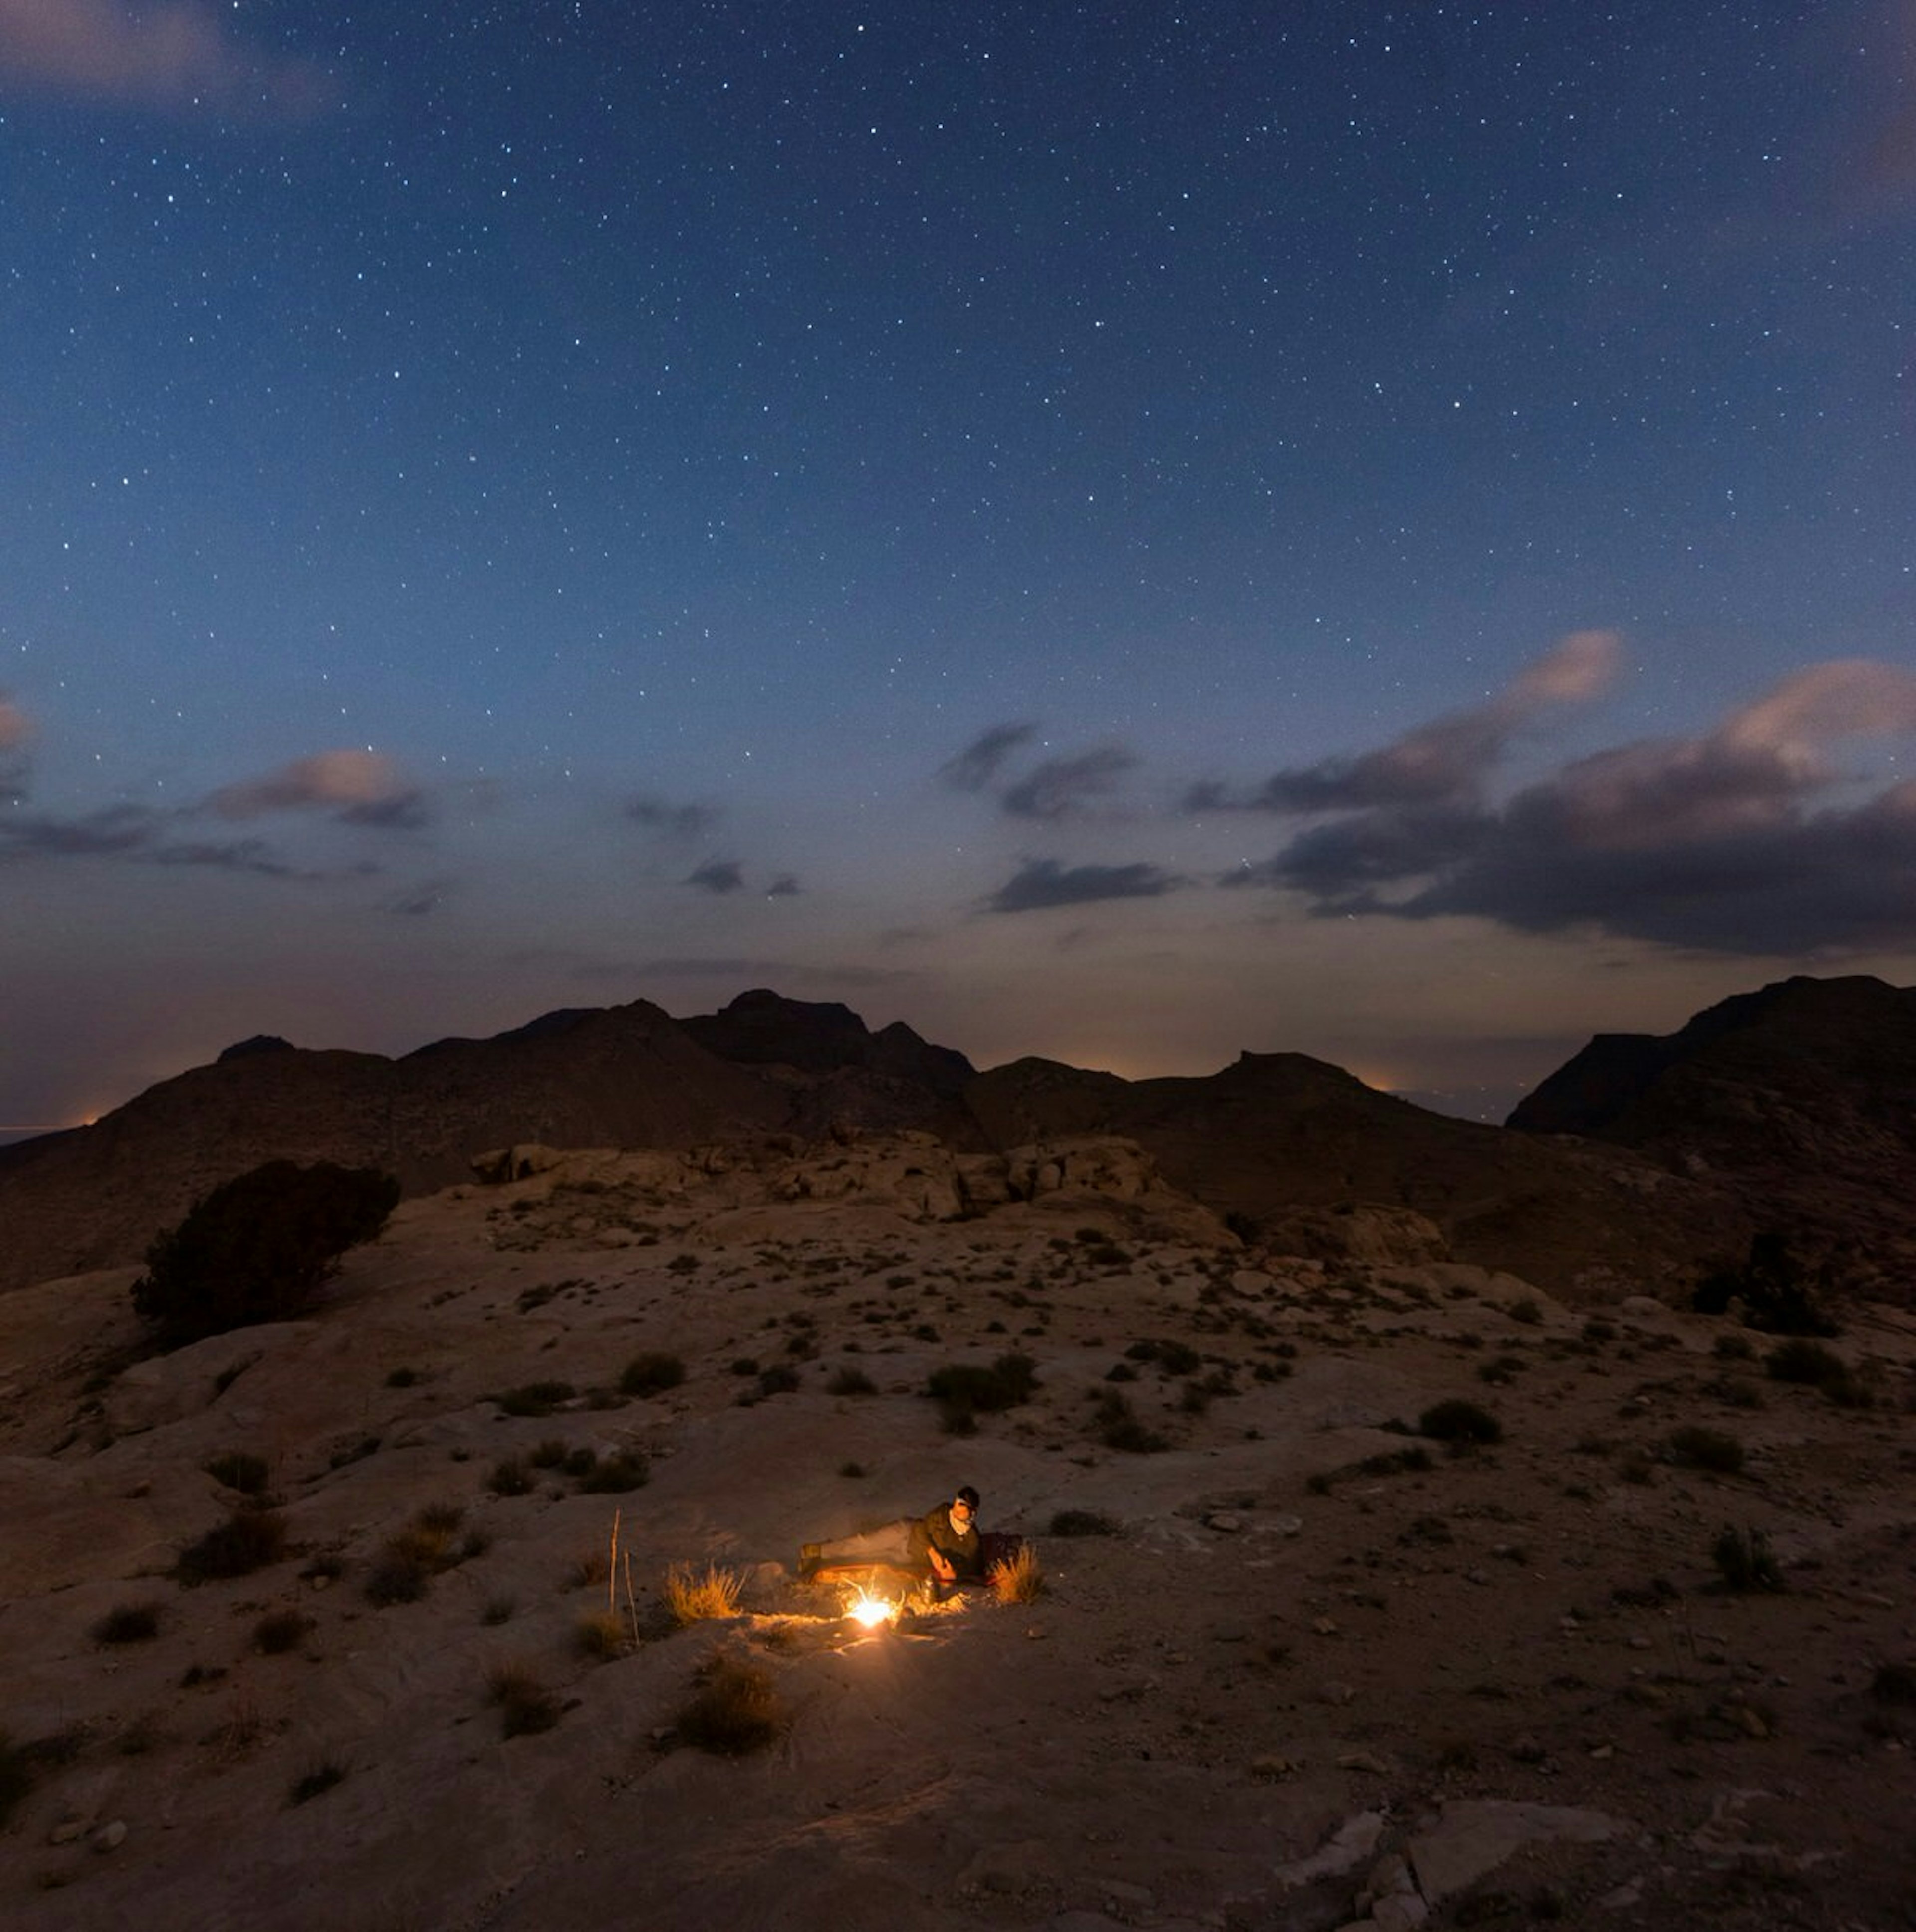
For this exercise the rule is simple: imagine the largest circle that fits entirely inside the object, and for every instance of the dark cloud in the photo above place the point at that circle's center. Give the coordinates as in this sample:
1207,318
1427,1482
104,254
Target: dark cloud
1443,763
680,821
140,836
738,972
717,875
1044,882
1062,787
784,886
420,901
1728,842
979,763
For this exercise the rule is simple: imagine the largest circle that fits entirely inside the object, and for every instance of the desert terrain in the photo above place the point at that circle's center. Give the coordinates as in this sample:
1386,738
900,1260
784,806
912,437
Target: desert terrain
1290,1660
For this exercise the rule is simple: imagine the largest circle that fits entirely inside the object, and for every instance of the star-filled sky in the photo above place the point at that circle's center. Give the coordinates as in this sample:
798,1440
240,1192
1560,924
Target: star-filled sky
1123,531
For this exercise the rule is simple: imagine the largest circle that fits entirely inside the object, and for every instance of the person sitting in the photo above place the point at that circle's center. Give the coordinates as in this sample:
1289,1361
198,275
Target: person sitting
943,1545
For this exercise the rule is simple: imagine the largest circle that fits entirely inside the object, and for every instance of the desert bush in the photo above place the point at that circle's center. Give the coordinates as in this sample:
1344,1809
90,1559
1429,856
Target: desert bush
693,1595
1803,1361
964,1389
1735,1348
601,1635
1745,1561
1529,1311
1777,1288
1699,1448
259,1247
614,1475
535,1399
401,1378
497,1610
524,1705
1118,1428
852,1382
510,1477
1082,1522
16,1777
409,1559
279,1631
249,1540
316,1782
778,1380
736,1708
236,1470
853,1471
548,1454
1020,1579
651,1373
128,1623
1464,1425
1893,1684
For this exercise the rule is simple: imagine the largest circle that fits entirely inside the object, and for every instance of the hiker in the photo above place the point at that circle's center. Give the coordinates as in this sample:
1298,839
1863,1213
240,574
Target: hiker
942,1544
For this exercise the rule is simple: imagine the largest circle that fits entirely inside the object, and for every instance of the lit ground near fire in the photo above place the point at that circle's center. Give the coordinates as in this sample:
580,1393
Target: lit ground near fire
1308,1667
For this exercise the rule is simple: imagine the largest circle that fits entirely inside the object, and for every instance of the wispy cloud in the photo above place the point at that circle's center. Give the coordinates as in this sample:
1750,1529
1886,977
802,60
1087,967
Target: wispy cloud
16,731
717,875
1444,762
360,787
1065,787
138,834
1039,882
678,821
1747,838
978,764
784,886
180,58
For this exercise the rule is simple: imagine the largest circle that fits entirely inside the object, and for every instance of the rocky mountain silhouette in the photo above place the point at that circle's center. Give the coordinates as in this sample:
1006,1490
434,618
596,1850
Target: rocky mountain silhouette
1798,1100
1640,1163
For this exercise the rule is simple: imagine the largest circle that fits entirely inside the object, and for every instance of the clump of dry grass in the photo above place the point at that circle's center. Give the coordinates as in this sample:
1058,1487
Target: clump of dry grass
524,1705
279,1631
1020,1578
409,1561
248,1540
602,1635
128,1623
692,1595
735,1710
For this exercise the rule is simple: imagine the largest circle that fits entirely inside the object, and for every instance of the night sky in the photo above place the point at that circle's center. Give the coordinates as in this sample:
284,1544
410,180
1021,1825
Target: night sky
1123,532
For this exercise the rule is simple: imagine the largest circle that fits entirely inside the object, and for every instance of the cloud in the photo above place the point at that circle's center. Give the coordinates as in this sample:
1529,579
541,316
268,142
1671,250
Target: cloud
1748,838
679,821
179,57
362,787
420,901
16,729
1444,762
784,886
1044,882
979,762
1062,787
136,833
717,875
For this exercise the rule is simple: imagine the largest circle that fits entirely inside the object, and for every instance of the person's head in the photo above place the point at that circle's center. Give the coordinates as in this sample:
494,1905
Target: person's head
964,1505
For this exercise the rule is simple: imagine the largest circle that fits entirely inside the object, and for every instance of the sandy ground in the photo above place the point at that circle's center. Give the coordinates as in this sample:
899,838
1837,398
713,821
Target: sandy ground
1318,1671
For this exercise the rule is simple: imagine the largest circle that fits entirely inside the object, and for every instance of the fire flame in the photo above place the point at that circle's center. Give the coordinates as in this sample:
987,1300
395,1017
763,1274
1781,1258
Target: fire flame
871,1612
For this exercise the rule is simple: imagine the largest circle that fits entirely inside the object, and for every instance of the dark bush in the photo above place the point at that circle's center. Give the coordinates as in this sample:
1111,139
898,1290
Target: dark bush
279,1631
852,1382
1462,1424
1082,1522
651,1374
247,1540
259,1246
1709,1449
236,1470
969,1385
128,1623
1745,1561
1777,1288
736,1708
535,1399
616,1476
1798,1360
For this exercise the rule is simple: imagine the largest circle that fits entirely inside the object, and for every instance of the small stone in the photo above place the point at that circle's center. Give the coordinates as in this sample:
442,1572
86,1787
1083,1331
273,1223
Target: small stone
1603,1751
1642,1643
1324,1626
1226,1522
1271,1767
1400,1913
1363,1760
1527,1749
66,1830
110,1837
1750,1720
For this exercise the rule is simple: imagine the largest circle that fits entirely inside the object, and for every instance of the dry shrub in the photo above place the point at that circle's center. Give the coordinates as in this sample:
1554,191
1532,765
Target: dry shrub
409,1560
601,1635
736,1708
1020,1578
316,1782
692,1596
524,1705
247,1540
281,1630
128,1623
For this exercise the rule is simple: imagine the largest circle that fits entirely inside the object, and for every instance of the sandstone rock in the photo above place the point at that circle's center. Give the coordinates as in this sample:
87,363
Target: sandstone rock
110,1837
1474,1836
150,1394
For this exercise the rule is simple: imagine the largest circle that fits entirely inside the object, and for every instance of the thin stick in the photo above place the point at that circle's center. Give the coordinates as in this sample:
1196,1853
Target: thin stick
632,1608
611,1571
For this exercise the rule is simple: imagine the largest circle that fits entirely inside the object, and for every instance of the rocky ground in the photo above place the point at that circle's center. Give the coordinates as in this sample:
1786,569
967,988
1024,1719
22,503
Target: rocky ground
1302,1666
